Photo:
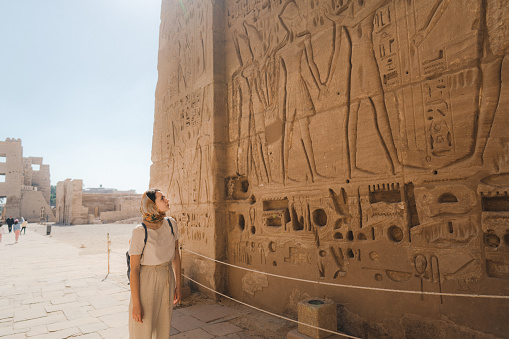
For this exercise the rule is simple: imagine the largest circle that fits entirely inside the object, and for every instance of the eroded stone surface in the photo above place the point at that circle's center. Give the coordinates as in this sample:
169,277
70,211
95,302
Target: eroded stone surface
352,142
25,183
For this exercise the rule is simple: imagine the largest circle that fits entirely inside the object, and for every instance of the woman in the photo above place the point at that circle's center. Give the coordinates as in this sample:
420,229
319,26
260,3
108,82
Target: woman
24,224
16,228
154,286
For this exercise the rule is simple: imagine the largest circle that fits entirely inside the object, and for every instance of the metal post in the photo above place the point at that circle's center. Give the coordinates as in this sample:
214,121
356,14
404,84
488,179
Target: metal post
109,250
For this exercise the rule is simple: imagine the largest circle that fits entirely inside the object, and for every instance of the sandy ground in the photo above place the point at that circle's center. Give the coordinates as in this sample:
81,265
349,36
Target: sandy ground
92,240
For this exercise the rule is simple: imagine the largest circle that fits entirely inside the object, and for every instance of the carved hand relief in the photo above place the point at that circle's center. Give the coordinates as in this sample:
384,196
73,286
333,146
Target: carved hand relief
361,142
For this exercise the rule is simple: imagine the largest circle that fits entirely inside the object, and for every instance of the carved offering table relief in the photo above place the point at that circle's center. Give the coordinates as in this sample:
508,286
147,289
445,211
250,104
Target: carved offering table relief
359,143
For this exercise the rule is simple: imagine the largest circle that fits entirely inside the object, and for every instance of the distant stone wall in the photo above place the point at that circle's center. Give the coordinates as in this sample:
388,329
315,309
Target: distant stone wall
34,207
126,207
352,142
38,178
69,208
74,206
27,190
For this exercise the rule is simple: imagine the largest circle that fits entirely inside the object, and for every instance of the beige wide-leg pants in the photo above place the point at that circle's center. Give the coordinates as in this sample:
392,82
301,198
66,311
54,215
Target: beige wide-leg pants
157,287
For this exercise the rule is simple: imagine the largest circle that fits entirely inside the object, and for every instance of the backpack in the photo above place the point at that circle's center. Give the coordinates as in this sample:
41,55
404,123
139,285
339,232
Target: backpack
128,256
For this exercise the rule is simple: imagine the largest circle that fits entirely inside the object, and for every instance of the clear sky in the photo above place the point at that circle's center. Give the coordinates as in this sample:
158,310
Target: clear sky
77,83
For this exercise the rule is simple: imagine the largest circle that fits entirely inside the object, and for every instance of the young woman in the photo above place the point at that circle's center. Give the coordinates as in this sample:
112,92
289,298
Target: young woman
16,227
24,224
154,286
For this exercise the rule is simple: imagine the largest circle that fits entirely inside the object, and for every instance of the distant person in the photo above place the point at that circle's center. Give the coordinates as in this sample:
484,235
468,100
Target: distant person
1,232
10,222
155,269
24,224
16,228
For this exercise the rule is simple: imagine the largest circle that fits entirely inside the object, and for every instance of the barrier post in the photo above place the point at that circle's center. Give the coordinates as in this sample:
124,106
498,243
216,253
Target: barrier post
109,251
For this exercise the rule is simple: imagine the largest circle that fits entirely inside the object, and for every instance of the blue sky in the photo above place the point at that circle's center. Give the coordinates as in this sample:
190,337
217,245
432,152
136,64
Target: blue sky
77,83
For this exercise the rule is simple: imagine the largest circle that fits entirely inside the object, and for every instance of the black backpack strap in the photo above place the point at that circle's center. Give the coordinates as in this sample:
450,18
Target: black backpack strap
169,222
145,241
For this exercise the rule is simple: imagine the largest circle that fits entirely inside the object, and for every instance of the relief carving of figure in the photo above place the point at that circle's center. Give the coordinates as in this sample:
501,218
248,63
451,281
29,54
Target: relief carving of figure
356,18
298,104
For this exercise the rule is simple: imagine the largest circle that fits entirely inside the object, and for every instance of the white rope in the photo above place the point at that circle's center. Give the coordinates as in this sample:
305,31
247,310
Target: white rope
357,287
273,314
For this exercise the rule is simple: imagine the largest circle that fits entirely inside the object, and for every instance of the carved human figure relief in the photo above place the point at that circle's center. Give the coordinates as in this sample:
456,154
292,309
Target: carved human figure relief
298,104
356,17
257,103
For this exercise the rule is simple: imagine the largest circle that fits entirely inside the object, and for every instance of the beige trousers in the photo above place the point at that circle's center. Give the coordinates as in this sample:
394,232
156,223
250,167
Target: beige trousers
157,287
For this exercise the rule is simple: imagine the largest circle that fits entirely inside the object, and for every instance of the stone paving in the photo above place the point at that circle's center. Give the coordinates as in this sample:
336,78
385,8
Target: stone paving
49,290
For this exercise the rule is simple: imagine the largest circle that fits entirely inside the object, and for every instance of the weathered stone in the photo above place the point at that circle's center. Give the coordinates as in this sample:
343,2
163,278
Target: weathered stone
319,313
74,205
351,142
25,183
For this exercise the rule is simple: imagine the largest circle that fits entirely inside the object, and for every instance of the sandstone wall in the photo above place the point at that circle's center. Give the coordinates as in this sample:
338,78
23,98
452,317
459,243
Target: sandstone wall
111,207
75,206
27,190
38,178
34,207
12,168
190,120
356,142
69,208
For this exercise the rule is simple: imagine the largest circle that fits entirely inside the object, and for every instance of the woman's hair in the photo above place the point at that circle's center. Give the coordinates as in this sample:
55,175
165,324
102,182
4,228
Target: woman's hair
152,194
148,207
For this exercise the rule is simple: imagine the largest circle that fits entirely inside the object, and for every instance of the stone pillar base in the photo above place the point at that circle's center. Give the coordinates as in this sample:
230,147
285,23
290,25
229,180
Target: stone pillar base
295,334
320,313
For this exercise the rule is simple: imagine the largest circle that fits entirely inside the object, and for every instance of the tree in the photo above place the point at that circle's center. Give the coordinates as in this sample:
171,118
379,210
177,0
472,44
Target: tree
53,196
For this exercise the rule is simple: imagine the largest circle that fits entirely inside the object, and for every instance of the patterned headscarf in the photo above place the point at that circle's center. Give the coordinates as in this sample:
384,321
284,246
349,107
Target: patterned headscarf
148,208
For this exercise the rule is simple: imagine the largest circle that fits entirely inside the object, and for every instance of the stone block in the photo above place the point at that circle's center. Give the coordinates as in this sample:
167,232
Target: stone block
317,312
295,334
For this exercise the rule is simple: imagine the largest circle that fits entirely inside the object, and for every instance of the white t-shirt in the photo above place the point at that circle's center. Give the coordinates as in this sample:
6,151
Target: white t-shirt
160,247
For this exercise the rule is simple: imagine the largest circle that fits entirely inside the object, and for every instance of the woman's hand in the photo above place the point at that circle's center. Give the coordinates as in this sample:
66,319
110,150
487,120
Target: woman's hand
138,313
177,296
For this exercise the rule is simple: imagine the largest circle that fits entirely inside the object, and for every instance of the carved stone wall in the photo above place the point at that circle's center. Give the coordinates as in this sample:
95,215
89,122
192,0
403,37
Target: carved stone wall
351,142
190,121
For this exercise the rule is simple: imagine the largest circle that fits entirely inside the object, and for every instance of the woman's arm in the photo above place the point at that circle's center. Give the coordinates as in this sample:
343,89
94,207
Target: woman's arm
176,268
137,313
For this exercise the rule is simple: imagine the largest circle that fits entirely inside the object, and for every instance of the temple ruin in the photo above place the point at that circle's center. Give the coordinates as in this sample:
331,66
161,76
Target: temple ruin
360,143
77,206
24,183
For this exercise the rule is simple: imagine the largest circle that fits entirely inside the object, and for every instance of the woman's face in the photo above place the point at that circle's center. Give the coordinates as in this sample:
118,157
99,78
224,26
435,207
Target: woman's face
162,203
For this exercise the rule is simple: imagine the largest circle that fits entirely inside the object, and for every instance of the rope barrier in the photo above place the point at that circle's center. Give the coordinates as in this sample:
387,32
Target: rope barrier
270,313
357,287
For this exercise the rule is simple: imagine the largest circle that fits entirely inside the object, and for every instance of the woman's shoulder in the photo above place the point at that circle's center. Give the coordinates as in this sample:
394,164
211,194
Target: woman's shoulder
139,229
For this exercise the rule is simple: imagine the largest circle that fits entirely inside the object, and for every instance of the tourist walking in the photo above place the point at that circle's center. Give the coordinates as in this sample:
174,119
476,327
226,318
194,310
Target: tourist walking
10,222
24,224
16,228
154,259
